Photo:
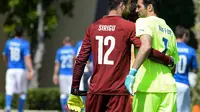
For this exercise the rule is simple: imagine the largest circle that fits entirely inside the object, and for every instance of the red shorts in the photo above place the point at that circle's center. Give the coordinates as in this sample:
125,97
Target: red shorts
108,103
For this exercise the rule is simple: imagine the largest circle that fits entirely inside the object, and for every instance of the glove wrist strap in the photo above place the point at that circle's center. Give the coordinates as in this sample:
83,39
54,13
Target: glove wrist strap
133,71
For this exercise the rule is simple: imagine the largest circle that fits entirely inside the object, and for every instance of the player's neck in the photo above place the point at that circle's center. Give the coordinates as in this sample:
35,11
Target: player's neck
151,14
67,44
179,40
17,37
114,13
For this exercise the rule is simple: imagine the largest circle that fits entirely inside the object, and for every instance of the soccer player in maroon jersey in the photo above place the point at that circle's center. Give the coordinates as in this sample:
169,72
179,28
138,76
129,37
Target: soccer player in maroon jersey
109,40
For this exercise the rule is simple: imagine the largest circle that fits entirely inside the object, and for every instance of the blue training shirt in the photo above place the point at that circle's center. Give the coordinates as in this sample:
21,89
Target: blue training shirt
64,56
16,49
78,48
188,60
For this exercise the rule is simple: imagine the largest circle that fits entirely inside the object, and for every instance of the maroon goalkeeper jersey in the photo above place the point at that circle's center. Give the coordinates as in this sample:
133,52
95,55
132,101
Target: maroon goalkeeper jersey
109,40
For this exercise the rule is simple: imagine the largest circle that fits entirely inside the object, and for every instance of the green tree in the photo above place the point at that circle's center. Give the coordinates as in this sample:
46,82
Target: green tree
38,18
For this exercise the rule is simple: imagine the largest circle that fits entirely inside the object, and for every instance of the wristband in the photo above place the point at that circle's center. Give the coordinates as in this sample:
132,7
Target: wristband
133,71
76,91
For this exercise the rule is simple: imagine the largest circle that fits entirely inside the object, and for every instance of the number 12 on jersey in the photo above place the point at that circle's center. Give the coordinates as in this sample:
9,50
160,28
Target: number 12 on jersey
103,58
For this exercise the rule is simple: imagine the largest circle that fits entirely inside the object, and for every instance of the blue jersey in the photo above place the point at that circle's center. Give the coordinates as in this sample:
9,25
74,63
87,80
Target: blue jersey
64,56
16,49
78,48
188,60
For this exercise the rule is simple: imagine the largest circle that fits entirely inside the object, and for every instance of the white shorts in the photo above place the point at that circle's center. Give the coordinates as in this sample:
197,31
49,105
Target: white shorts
183,97
192,77
65,82
81,87
16,81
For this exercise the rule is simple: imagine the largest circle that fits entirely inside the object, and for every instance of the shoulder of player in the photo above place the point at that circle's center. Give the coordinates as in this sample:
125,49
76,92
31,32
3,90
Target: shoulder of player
124,21
191,49
59,49
71,48
8,41
147,20
24,41
139,20
66,48
79,43
96,23
128,24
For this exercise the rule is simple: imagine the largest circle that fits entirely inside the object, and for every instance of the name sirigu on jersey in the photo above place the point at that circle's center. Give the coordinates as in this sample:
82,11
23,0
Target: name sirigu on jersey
16,49
187,56
64,57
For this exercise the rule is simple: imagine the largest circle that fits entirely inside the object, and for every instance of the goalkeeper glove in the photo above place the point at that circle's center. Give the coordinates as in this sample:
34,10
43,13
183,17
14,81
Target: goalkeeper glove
130,78
75,103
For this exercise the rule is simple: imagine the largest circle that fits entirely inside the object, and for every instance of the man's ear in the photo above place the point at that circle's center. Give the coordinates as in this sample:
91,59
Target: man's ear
121,5
150,8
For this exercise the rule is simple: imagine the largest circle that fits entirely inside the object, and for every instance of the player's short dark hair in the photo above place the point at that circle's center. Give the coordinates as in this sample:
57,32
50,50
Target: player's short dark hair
114,3
19,31
155,3
133,14
67,39
180,31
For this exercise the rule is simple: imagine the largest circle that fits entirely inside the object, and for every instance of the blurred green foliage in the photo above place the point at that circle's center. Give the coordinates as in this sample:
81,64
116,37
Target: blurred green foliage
2,101
195,92
44,99
38,99
24,13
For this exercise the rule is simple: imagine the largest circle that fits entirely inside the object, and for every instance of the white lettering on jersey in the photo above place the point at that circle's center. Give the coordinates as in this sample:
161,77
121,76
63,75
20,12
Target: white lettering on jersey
107,27
14,44
67,51
183,50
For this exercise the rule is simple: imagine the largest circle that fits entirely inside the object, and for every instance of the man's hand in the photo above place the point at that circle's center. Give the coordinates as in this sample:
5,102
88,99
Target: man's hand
130,78
55,79
75,103
76,91
171,64
30,74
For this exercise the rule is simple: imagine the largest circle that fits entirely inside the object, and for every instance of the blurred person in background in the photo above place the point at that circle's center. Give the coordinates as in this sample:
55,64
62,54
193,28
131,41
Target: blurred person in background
188,63
17,57
63,70
87,71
